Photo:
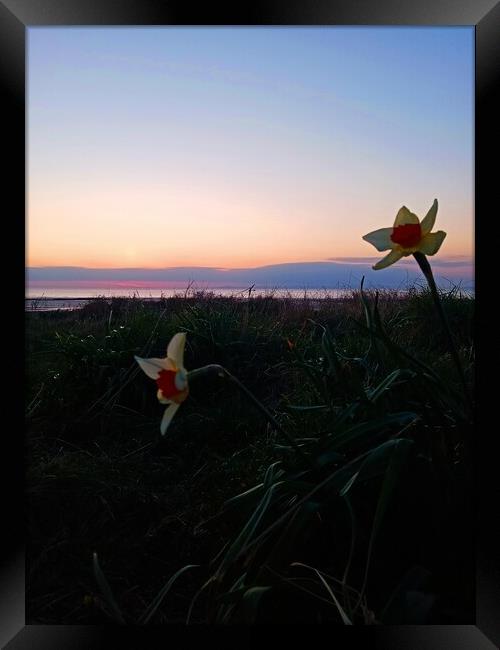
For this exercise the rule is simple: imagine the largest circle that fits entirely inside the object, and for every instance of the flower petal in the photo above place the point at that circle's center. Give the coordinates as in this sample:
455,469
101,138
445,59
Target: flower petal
404,216
381,239
153,367
431,243
167,417
389,259
175,350
427,222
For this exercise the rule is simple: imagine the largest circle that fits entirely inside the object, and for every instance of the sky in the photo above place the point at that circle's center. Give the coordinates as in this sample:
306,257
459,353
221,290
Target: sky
244,147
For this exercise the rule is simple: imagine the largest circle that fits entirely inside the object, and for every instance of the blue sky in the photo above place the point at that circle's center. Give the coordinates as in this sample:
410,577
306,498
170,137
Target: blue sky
241,147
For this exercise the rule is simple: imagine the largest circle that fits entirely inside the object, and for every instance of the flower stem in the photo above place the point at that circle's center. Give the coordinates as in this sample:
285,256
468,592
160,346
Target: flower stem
222,372
423,262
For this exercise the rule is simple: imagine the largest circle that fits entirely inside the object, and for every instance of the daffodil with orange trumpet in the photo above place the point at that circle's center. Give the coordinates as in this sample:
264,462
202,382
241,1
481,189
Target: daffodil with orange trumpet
408,236
173,386
171,377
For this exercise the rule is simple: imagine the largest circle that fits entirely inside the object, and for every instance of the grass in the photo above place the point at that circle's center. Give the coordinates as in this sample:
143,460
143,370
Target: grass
375,527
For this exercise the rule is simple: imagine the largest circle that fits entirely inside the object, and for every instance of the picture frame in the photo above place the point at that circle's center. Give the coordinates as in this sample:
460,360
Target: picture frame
16,17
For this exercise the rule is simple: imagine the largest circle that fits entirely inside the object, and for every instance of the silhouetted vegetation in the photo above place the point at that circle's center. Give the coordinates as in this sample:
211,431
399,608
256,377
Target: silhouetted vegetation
373,527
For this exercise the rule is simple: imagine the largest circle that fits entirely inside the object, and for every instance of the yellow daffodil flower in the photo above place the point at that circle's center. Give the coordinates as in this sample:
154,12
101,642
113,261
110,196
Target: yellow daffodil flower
408,235
170,376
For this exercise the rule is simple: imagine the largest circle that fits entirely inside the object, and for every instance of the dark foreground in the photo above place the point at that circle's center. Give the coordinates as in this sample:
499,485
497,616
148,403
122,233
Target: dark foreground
350,503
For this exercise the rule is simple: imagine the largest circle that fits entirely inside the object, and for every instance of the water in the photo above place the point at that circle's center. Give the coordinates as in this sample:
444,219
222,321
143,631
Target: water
53,298
57,298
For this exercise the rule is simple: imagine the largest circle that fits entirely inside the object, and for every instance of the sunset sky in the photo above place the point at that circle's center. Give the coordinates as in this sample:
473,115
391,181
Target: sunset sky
243,147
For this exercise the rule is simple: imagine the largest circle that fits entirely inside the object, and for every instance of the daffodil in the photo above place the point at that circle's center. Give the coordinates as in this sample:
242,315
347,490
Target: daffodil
170,376
408,236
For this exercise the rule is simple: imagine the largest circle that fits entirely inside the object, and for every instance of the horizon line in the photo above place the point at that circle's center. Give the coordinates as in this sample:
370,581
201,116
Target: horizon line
332,260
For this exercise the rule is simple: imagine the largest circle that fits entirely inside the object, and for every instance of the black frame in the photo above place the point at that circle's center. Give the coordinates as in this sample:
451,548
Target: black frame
15,17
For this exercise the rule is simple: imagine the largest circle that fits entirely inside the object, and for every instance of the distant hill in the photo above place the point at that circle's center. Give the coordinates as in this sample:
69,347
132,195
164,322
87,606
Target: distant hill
329,274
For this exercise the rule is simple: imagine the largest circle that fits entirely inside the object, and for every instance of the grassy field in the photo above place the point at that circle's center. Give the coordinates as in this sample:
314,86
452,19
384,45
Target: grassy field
351,503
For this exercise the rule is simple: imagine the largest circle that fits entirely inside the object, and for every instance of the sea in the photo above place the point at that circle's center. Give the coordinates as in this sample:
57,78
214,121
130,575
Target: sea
57,298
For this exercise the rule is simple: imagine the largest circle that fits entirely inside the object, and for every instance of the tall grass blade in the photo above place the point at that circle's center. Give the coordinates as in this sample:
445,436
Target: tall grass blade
345,619
107,591
153,607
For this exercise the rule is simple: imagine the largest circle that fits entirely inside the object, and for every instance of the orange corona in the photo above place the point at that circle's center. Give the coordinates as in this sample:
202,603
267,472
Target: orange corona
408,235
166,383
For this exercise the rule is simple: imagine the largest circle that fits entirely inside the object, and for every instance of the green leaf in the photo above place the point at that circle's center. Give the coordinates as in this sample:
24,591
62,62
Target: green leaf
397,459
297,487
394,467
330,353
248,530
364,431
270,474
196,596
243,496
408,592
348,485
329,457
386,383
228,601
151,610
285,543
248,609
298,407
329,486
345,414
232,596
107,591
376,462
343,615
366,306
